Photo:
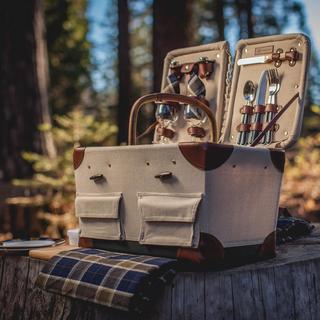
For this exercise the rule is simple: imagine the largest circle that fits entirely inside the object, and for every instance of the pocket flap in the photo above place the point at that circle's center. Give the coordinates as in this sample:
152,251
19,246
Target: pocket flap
105,205
168,207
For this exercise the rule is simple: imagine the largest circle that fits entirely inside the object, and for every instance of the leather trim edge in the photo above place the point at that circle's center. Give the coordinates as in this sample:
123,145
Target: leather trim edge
78,155
206,156
209,251
268,247
85,242
278,159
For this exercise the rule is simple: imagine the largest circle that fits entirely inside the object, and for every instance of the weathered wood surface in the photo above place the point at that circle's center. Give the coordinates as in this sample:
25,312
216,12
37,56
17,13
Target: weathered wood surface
286,287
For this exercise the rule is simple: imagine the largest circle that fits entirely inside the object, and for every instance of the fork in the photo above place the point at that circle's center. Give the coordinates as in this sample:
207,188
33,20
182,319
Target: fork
274,87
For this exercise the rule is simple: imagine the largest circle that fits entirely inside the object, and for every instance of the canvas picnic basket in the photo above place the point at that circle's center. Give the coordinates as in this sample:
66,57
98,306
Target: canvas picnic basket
207,189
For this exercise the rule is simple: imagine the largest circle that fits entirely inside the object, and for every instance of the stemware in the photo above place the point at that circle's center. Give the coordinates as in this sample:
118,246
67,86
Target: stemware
166,115
194,116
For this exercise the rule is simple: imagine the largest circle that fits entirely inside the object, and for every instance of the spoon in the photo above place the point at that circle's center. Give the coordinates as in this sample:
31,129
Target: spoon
249,93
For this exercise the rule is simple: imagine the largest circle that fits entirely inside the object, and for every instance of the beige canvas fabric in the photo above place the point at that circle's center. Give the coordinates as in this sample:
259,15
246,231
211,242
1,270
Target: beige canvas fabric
293,80
169,218
239,205
215,84
99,215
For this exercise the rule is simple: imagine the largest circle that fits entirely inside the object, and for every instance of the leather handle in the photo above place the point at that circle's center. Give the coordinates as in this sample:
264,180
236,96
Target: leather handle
164,98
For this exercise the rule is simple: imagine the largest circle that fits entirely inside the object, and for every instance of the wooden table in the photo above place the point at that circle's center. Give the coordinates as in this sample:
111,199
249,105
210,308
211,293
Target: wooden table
286,287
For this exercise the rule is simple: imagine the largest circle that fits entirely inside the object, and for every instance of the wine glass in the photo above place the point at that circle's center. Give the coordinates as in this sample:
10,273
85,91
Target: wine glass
166,115
196,117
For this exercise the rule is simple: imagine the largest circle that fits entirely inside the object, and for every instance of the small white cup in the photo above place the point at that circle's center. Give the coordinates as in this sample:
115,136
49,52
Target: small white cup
73,235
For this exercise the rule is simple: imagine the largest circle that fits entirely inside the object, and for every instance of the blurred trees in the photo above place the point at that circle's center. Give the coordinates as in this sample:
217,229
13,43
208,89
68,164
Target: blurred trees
172,29
23,86
124,71
69,54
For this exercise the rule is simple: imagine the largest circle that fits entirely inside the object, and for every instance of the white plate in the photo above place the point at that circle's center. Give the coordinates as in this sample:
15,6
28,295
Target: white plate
27,244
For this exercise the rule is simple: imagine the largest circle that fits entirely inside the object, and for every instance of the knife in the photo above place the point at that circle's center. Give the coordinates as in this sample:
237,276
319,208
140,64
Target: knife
261,97
253,60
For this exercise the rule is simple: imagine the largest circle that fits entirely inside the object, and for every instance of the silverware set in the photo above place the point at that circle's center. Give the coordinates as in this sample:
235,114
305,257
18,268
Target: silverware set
269,84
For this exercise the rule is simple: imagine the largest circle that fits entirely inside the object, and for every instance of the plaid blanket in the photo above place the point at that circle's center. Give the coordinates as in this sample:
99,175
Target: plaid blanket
122,281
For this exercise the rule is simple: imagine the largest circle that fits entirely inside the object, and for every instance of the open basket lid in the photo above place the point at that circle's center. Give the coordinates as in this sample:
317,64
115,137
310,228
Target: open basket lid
214,83
289,55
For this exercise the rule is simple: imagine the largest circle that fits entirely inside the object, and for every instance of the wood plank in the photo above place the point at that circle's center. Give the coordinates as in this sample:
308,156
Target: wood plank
218,306
268,293
284,292
162,306
39,303
13,287
243,301
177,304
300,290
194,296
311,270
1,268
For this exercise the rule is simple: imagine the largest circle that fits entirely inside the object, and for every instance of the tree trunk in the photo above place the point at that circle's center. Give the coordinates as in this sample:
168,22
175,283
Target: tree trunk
244,15
172,28
218,12
124,70
23,86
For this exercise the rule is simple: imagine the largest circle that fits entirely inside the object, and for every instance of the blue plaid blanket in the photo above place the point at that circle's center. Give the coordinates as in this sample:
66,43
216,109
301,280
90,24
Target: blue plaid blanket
122,281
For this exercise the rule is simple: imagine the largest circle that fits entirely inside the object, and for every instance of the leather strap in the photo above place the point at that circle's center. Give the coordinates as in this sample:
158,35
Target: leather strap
164,98
274,120
247,110
165,132
256,126
198,132
205,69
259,108
244,127
271,108
261,126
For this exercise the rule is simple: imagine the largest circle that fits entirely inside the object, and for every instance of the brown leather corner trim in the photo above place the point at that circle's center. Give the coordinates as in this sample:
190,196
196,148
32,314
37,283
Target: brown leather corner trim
85,242
268,247
78,155
278,159
198,132
209,251
206,156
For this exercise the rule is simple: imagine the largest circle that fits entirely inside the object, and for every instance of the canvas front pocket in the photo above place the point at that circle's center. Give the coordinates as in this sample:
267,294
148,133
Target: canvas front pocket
169,219
99,215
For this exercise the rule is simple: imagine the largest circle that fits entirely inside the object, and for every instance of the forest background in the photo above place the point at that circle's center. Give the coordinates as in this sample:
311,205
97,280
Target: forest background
71,69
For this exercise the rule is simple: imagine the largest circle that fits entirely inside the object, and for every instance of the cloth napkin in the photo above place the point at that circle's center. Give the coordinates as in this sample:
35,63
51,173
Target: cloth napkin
117,280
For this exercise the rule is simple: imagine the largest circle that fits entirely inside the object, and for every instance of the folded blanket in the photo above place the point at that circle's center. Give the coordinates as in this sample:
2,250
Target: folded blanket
122,281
